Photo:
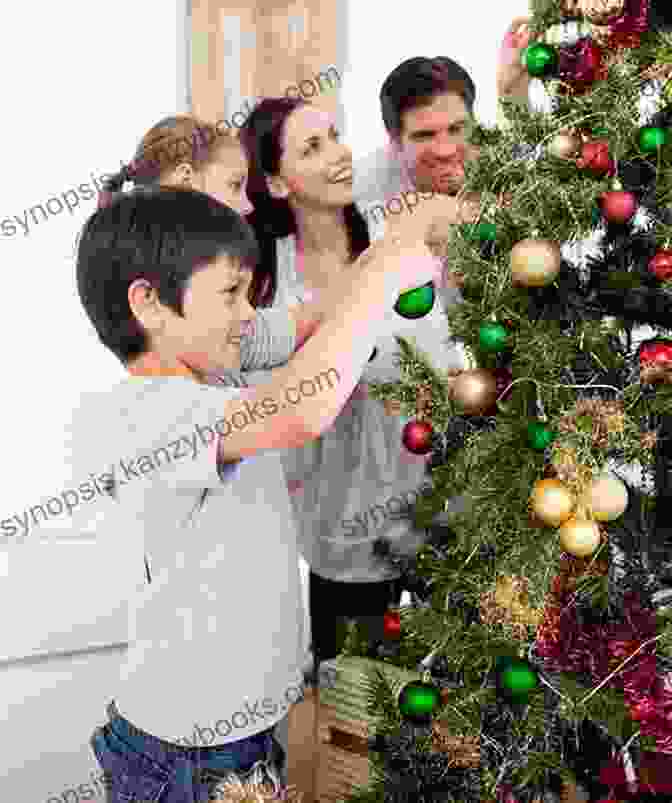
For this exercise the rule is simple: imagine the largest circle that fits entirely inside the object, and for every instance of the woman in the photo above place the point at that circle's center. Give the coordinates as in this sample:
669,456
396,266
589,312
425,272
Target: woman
309,230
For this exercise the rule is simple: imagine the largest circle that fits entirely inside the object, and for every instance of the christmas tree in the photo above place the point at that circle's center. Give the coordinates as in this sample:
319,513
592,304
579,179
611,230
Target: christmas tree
539,612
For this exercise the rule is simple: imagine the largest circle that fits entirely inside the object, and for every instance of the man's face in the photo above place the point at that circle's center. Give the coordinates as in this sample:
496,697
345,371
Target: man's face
433,146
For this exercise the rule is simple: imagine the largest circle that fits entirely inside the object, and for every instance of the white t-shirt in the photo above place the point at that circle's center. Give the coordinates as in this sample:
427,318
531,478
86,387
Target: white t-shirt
215,638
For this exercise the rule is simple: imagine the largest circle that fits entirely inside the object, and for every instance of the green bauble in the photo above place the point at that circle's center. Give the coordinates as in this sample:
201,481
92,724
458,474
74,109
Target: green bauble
483,232
419,701
596,216
416,303
651,138
493,337
539,435
516,678
539,59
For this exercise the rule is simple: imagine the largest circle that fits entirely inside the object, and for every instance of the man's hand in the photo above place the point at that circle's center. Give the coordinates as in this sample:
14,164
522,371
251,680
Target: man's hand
513,80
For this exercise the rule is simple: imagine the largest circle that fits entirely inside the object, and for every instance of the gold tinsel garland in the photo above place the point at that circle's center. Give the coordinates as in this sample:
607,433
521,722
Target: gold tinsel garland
235,791
605,417
508,604
649,439
423,403
462,751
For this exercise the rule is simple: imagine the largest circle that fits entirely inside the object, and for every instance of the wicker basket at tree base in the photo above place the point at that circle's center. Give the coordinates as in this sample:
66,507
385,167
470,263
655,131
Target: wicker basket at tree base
345,726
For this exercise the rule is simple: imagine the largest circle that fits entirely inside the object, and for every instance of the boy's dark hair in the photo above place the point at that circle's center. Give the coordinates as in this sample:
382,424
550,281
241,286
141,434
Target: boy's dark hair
162,236
416,82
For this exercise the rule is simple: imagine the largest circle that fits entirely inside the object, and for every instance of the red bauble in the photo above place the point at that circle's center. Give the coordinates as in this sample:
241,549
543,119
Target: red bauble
503,378
618,206
417,437
655,353
595,158
644,709
580,64
661,265
612,773
392,624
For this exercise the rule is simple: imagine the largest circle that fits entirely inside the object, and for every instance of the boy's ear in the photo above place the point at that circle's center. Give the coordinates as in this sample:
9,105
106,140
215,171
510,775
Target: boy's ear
145,305
277,187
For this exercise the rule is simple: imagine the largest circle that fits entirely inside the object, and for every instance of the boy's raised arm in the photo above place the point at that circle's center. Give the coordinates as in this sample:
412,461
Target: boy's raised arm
304,397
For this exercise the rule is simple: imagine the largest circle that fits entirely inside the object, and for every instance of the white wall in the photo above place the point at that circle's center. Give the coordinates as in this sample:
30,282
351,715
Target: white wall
383,34
84,82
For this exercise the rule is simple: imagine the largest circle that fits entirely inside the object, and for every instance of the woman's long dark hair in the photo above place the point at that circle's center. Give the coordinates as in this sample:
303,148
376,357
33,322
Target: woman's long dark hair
272,219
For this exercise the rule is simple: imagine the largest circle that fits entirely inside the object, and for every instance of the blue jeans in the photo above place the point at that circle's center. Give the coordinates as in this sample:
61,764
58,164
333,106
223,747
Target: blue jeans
140,768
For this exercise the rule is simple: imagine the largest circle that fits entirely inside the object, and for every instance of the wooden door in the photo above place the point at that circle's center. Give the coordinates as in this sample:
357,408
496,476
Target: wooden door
267,48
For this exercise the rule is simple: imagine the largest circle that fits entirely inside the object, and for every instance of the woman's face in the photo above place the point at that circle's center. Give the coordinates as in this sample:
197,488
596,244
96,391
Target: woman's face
315,168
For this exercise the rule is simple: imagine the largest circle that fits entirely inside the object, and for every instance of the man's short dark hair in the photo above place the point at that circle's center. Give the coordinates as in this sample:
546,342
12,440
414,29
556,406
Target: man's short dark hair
163,236
416,82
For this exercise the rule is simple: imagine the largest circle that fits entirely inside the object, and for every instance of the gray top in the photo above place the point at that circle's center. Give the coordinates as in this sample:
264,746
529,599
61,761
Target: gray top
356,482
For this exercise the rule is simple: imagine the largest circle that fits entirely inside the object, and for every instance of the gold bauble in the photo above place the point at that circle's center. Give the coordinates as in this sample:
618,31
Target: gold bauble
475,391
565,145
607,497
579,537
551,502
534,263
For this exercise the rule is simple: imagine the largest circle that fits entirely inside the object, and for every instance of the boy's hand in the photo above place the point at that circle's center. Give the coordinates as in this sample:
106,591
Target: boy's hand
513,80
413,263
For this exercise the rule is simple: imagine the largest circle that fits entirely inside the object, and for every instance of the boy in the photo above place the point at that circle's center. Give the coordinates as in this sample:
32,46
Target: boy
215,636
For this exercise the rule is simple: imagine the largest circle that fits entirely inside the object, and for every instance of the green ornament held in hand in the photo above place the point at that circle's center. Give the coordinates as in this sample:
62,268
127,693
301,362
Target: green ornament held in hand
416,303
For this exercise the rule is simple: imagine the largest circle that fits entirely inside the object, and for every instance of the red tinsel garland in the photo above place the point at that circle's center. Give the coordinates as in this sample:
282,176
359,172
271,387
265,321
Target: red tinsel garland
633,20
566,646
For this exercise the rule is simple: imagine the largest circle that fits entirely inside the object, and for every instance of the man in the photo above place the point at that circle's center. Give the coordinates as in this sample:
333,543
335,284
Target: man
427,105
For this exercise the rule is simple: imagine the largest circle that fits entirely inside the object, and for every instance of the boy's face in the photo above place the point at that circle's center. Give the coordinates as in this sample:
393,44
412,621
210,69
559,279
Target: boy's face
226,178
433,144
216,314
